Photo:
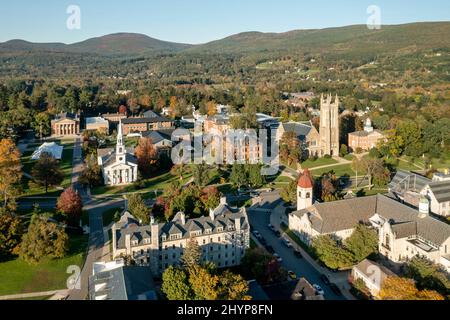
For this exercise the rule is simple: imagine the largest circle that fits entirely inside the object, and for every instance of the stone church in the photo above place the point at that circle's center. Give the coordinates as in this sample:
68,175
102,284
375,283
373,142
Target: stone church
324,141
119,165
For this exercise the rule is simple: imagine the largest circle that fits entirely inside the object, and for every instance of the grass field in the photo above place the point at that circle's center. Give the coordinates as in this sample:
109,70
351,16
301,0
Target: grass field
157,183
65,165
340,170
17,276
308,164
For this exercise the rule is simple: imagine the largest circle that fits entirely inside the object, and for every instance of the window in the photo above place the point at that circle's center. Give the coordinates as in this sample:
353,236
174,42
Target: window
308,195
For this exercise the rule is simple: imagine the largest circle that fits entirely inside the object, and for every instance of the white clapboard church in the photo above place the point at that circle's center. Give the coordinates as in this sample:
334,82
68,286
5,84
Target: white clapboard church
119,165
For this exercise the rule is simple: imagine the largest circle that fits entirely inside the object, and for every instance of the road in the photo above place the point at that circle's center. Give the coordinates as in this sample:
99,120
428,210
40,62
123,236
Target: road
259,221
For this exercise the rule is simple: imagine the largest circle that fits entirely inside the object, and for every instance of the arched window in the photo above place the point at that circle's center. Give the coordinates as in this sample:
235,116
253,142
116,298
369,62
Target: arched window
300,194
308,195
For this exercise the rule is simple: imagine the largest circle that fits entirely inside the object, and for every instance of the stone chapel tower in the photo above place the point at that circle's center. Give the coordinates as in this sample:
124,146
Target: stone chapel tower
329,126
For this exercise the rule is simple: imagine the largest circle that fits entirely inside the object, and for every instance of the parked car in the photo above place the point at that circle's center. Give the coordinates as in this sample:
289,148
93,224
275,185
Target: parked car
298,254
335,289
278,258
270,249
263,241
325,279
318,289
286,242
271,227
257,234
292,275
277,233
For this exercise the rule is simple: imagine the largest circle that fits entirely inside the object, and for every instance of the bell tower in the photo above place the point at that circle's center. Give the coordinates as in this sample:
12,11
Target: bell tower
120,147
305,187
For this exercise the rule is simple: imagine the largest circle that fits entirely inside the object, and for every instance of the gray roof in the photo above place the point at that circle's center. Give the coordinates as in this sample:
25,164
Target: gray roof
364,133
341,215
151,114
175,226
405,180
66,115
300,129
111,158
124,283
365,267
441,190
145,120
158,135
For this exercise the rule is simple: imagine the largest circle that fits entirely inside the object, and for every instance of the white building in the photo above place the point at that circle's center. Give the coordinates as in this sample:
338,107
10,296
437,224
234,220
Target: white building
119,166
372,274
51,148
410,187
223,236
404,232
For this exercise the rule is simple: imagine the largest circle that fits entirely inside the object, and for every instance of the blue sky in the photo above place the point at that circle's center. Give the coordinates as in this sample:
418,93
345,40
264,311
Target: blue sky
199,21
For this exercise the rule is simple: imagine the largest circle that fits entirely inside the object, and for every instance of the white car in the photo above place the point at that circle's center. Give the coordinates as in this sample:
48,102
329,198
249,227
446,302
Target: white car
287,243
318,289
279,259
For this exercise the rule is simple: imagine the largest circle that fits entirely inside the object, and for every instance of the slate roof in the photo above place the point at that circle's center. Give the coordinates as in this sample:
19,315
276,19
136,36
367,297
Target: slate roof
366,268
66,115
364,133
341,215
124,283
145,120
158,135
225,217
441,190
111,159
300,129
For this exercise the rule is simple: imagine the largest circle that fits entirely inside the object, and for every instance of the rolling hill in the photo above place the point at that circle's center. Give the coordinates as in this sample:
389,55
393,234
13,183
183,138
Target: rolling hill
113,44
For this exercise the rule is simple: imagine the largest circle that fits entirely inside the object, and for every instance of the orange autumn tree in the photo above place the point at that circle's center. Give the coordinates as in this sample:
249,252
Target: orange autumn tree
10,172
396,288
147,156
211,108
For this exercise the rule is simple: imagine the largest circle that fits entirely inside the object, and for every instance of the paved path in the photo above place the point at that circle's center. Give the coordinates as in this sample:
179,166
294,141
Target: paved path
34,295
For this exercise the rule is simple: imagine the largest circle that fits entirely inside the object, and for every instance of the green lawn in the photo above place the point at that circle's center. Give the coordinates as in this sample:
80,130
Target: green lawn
308,164
17,276
66,167
157,183
340,170
108,215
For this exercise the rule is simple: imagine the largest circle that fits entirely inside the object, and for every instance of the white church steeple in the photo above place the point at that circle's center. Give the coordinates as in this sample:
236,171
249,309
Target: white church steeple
120,147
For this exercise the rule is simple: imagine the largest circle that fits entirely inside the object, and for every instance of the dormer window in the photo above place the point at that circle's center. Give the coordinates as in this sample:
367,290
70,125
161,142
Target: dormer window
219,229
163,237
134,243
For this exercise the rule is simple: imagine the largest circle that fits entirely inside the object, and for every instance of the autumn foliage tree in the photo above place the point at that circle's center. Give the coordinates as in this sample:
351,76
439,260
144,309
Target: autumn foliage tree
71,205
10,234
46,172
44,239
10,172
396,288
147,157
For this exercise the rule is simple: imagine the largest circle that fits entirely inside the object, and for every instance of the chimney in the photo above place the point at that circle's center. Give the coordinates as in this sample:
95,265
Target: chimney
211,214
152,219
424,207
128,244
182,217
237,223
223,200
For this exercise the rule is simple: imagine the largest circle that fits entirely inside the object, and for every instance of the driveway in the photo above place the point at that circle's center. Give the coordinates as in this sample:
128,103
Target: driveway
301,267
